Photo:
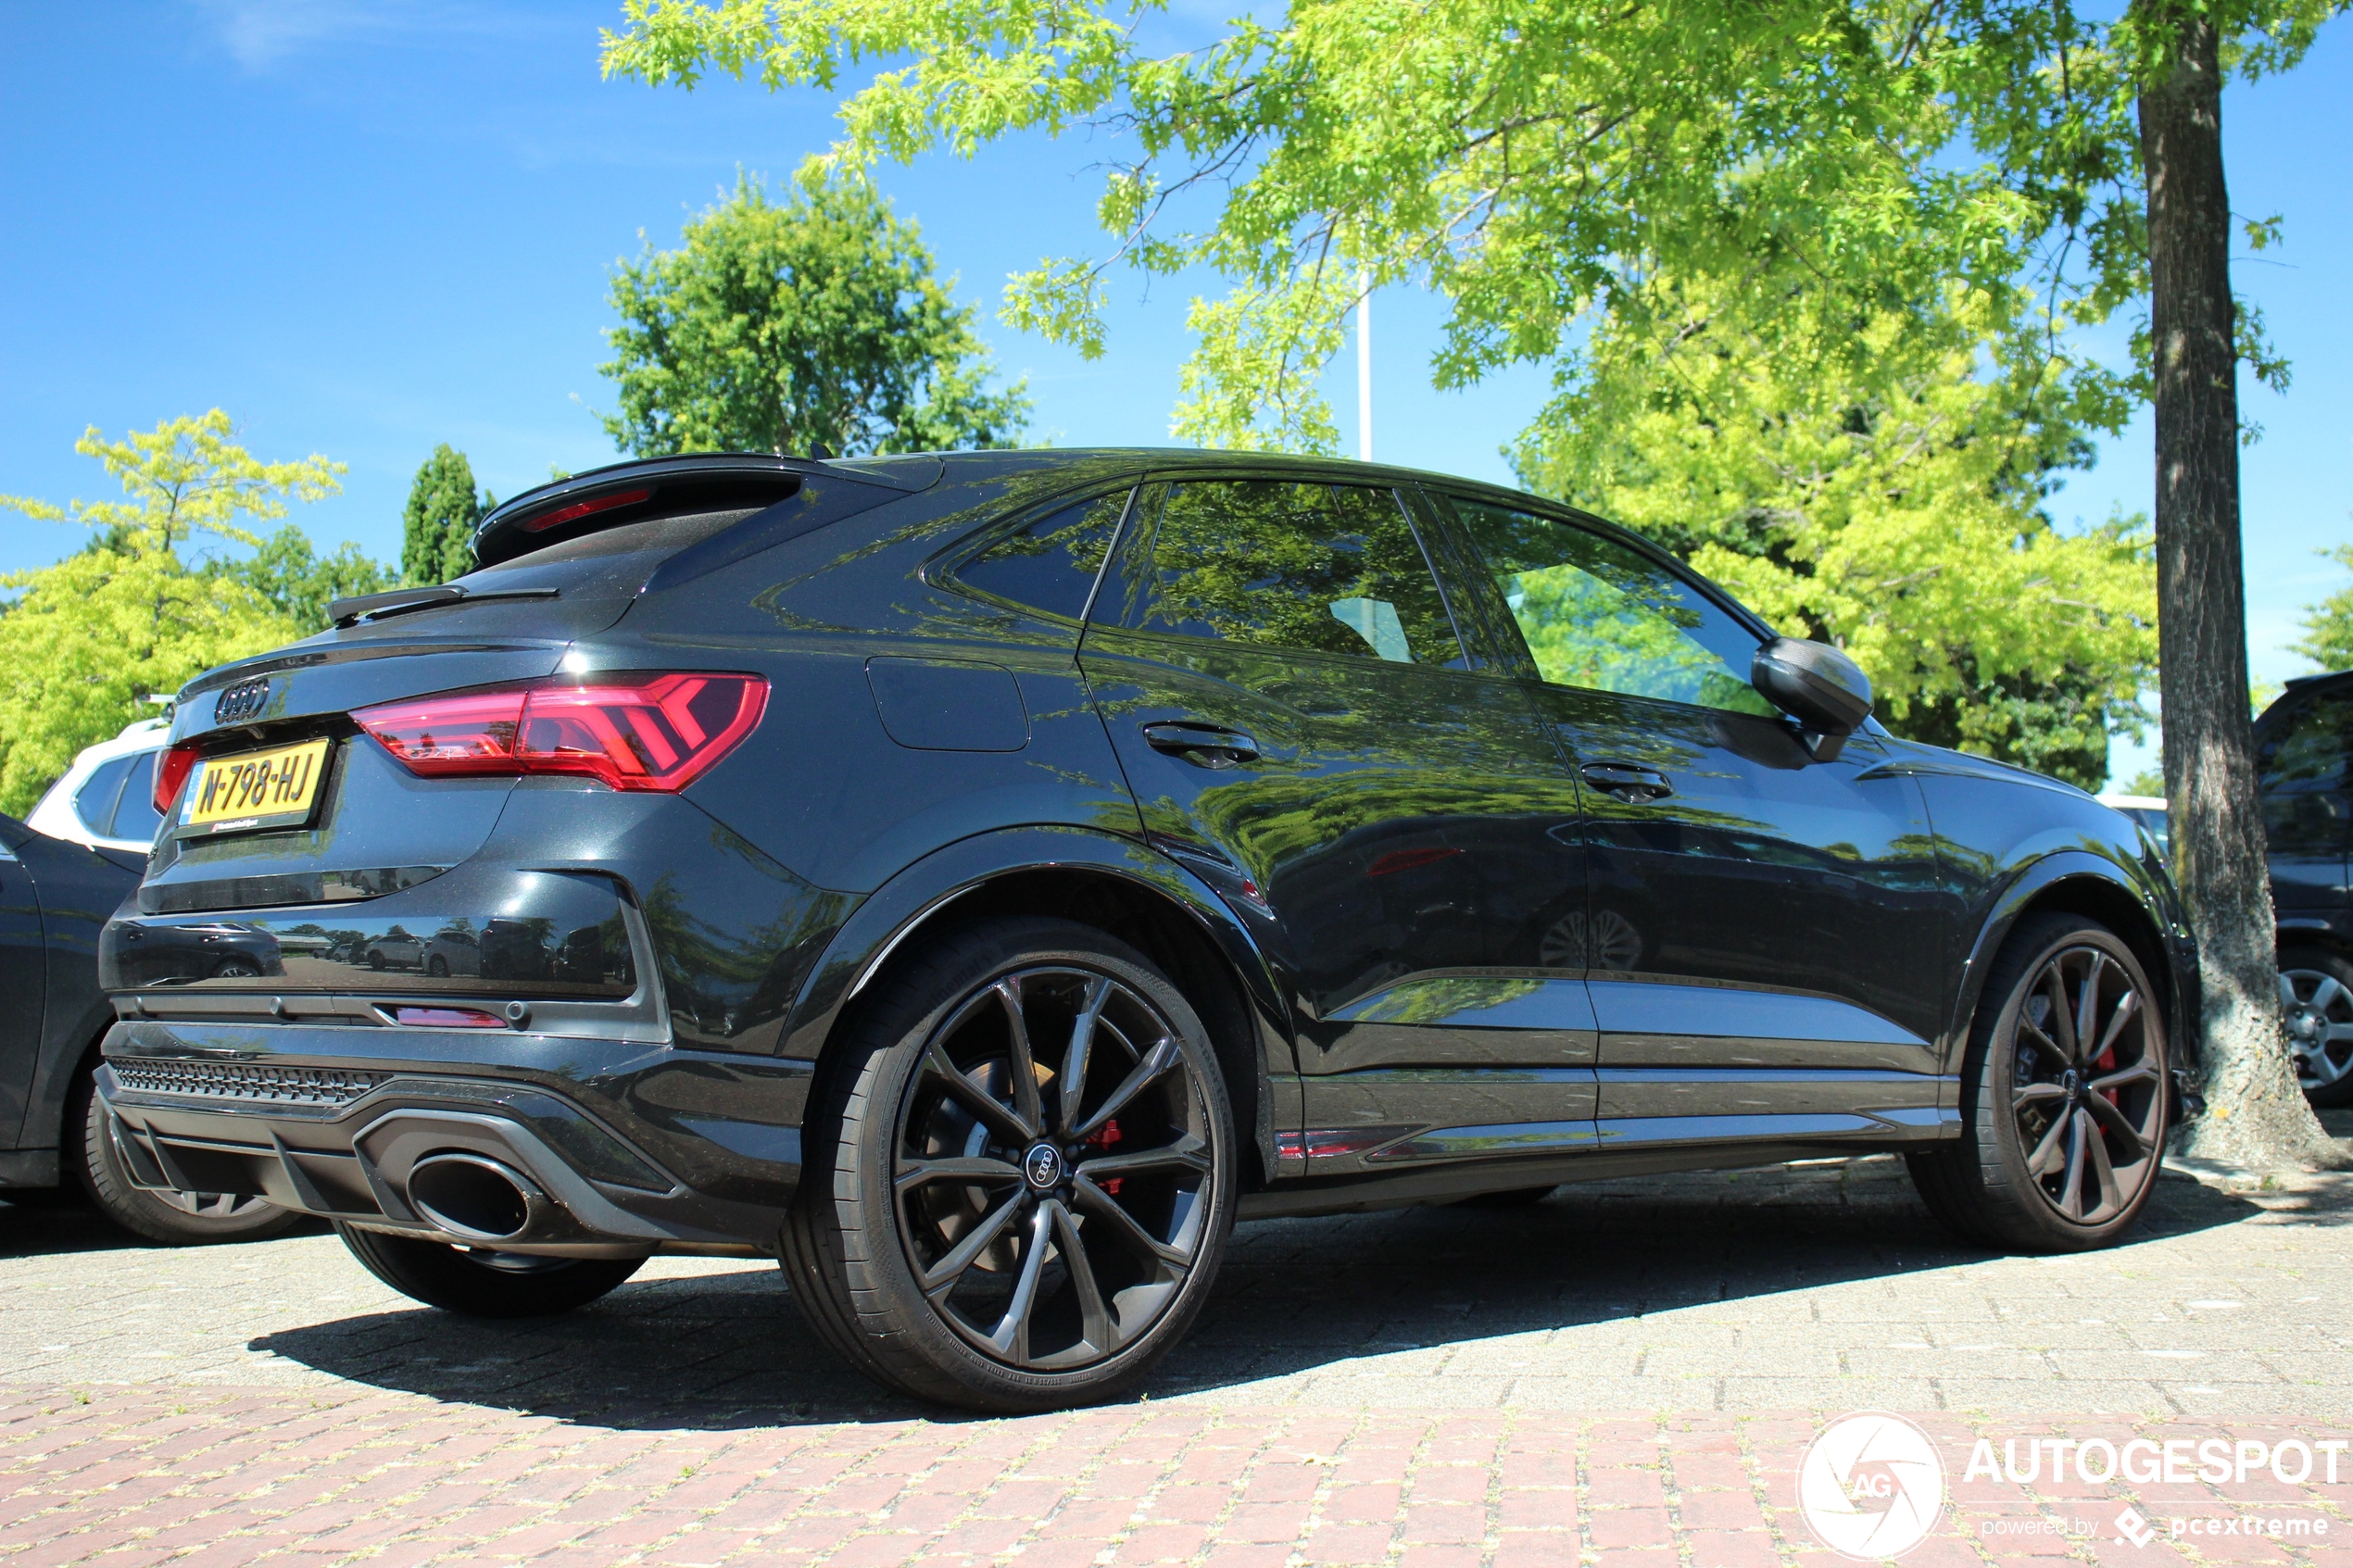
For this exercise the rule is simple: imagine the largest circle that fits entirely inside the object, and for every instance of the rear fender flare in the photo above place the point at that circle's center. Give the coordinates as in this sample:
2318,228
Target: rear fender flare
2027,887
936,885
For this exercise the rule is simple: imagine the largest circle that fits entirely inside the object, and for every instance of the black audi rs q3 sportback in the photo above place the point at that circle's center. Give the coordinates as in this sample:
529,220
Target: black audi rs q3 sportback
980,880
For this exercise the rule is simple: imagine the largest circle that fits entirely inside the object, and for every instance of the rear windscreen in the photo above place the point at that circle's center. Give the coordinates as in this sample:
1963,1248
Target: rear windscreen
655,535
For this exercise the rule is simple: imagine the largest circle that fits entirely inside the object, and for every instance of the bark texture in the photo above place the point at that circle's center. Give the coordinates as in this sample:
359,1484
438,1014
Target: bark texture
2256,1115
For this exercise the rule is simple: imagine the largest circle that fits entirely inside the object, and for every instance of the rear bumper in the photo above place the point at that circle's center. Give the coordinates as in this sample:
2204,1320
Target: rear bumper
621,1150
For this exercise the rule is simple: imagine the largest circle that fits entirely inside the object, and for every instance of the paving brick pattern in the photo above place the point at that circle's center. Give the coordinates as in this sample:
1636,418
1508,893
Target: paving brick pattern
1623,1377
134,1477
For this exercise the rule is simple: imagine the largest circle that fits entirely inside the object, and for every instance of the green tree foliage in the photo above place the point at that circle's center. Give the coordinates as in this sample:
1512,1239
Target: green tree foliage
437,526
1535,165
1864,482
89,639
1799,333
789,326
2328,625
299,581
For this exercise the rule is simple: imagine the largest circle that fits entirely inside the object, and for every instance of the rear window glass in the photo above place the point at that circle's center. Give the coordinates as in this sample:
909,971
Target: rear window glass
667,535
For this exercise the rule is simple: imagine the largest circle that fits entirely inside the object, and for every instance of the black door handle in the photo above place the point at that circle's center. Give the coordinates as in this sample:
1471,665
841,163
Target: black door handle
1205,745
1628,782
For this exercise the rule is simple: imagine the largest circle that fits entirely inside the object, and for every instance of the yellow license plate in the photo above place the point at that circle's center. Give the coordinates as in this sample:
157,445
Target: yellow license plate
252,790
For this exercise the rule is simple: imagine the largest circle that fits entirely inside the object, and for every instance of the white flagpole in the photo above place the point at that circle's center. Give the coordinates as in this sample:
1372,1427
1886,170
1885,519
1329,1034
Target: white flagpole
1364,367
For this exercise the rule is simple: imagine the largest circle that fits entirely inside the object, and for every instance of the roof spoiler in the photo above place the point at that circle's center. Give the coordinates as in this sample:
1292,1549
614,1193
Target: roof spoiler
606,498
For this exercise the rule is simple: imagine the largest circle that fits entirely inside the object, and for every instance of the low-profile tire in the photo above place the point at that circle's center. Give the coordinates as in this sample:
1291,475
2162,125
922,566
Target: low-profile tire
969,1233
481,1282
2064,1096
173,1218
2316,1014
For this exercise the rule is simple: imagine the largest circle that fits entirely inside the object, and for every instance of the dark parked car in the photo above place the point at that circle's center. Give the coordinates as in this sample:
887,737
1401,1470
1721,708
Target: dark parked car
980,880
2304,761
54,1140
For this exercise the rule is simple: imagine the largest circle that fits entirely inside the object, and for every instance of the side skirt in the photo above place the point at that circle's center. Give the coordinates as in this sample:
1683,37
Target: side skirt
1447,1184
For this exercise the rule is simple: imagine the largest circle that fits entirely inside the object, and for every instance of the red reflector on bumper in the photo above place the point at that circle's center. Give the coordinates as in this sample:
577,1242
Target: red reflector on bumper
447,1018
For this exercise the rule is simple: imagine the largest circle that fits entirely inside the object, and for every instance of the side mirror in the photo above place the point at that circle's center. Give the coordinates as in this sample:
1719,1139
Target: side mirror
1825,691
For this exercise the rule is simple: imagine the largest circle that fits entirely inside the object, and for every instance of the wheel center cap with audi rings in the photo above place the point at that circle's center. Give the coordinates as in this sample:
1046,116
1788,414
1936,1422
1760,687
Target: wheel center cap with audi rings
2071,1083
1043,1166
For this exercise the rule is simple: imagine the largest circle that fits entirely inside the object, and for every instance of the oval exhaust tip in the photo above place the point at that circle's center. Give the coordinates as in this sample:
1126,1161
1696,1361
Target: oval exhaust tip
472,1196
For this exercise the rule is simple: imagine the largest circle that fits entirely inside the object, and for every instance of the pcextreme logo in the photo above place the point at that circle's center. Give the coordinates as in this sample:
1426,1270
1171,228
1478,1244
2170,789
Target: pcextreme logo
1872,1486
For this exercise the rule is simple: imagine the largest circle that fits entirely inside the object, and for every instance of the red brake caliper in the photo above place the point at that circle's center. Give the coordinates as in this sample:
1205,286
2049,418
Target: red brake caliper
1100,1142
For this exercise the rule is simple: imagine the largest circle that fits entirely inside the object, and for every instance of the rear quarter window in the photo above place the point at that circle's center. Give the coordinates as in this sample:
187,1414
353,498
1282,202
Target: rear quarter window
136,816
1051,564
95,801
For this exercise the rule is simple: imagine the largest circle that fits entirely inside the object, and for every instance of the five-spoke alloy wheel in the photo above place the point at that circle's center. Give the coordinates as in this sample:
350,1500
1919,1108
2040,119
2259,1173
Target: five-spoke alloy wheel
2063,1095
1031,1173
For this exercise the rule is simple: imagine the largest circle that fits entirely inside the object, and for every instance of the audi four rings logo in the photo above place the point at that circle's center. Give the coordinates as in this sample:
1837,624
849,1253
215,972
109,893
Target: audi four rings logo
243,701
1045,1166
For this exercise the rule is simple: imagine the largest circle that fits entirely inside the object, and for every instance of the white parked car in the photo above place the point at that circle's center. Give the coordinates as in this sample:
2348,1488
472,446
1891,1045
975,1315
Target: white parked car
2147,810
107,798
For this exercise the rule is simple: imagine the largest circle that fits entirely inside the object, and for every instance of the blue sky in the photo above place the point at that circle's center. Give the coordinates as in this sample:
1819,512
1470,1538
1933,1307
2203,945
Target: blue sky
364,228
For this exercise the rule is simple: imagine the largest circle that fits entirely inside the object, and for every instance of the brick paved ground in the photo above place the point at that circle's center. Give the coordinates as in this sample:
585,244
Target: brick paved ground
1444,1388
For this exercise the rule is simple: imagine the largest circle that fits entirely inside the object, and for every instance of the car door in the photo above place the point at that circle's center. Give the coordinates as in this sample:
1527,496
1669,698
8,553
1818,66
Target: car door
24,969
1301,725
1763,937
2302,758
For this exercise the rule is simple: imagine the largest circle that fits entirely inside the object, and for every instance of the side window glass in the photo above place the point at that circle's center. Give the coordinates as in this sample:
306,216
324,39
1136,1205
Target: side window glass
1051,564
136,817
1598,615
93,802
2308,756
1321,568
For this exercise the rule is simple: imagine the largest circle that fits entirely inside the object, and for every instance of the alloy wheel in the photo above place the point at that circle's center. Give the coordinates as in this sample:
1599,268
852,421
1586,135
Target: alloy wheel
212,1205
2087,1086
1053,1167
2316,1016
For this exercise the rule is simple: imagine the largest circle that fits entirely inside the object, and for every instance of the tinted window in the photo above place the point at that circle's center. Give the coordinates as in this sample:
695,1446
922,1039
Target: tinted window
1598,615
1322,568
2308,755
1052,564
93,802
136,817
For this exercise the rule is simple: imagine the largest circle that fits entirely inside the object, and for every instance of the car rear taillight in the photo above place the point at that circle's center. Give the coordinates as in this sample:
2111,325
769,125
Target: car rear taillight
631,731
171,771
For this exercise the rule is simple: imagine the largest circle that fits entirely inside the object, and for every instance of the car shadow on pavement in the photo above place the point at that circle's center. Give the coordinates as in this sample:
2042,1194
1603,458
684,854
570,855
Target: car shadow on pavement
53,1223
723,1351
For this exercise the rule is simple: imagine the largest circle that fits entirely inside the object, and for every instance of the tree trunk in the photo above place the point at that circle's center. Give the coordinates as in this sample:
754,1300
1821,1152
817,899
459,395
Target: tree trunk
2255,1116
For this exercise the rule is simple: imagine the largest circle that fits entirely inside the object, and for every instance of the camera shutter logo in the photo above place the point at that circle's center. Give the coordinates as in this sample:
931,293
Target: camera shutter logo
1872,1486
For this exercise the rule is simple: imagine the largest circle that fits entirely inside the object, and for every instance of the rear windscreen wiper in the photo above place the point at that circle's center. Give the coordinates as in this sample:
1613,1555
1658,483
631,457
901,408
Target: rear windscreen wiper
401,601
